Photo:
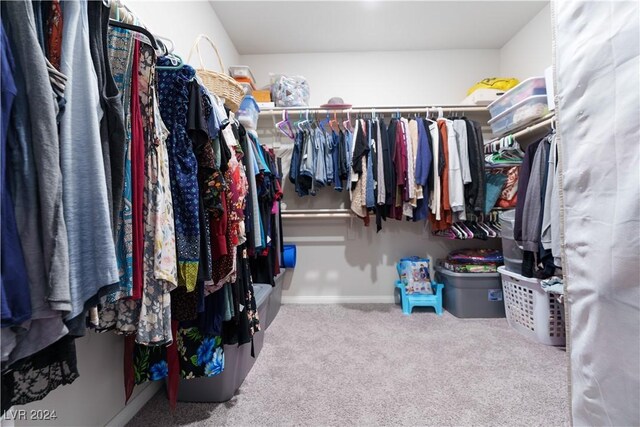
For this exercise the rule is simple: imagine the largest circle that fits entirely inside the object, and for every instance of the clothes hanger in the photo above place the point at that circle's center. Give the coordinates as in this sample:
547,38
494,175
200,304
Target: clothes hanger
136,28
347,123
177,62
284,126
333,122
324,122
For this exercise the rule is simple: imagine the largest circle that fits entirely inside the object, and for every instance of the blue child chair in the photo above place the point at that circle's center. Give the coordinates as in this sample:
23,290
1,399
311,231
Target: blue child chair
409,301
414,273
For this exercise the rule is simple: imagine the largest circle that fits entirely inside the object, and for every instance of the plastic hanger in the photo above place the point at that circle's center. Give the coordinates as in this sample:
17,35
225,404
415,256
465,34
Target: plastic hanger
284,126
324,122
347,123
137,29
429,115
177,62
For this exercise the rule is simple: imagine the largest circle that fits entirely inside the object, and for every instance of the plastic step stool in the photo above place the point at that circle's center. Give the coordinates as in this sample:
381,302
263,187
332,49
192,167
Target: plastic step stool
421,300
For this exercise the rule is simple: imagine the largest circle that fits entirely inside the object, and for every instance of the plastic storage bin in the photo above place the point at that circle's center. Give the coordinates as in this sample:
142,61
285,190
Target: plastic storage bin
262,96
241,71
289,256
275,299
526,89
531,311
237,363
471,295
511,252
520,114
249,112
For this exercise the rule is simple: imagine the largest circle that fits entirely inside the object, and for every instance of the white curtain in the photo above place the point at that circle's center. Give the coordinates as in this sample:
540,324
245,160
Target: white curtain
598,101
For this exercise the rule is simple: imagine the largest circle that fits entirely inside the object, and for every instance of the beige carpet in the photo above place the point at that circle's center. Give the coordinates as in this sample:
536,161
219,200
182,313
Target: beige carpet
370,365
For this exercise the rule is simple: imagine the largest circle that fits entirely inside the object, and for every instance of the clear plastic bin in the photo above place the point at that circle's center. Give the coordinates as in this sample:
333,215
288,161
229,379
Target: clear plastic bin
520,114
511,252
249,112
242,71
528,88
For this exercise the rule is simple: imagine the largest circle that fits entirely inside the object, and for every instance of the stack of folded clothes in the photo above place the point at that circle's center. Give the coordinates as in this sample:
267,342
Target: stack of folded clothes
474,261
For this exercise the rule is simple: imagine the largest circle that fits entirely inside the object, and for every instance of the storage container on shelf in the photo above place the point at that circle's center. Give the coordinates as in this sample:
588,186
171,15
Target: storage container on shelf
246,87
248,113
531,311
262,96
241,71
520,114
471,295
528,88
511,252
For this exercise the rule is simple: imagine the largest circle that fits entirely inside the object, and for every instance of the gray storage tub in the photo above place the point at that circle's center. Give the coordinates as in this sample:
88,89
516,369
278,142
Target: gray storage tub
472,295
510,249
237,363
275,298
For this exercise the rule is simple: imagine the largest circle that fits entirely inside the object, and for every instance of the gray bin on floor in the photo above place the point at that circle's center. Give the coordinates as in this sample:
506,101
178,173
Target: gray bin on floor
275,298
237,364
472,295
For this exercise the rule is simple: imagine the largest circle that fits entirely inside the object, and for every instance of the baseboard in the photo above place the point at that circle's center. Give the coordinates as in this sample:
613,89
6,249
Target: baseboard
337,299
135,404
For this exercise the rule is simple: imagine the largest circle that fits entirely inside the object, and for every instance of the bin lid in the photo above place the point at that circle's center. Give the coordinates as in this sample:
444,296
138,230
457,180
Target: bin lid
261,292
249,102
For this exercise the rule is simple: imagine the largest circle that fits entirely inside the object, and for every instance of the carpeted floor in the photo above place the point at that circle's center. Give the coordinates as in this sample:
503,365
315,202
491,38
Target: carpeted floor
367,364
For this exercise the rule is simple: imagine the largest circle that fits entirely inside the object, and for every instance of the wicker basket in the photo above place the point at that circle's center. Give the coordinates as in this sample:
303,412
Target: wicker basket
218,83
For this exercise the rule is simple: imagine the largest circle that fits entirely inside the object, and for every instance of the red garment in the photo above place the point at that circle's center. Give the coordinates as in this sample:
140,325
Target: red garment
218,226
54,33
129,372
137,176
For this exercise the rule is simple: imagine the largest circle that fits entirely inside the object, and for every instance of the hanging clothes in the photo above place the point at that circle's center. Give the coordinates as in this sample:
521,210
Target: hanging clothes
33,153
39,360
173,91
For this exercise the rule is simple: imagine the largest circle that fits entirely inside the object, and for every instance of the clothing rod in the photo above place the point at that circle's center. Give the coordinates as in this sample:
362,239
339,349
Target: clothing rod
315,211
381,110
540,125
317,216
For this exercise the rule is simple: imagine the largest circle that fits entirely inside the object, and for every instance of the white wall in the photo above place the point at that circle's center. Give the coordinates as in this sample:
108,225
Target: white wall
528,53
383,78
97,396
182,21
335,264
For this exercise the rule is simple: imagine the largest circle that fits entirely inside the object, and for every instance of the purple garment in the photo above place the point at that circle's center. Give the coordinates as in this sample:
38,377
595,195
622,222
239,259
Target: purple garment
16,299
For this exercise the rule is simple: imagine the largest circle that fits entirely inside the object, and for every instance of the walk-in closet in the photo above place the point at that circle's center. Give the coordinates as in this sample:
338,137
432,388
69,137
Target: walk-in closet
316,213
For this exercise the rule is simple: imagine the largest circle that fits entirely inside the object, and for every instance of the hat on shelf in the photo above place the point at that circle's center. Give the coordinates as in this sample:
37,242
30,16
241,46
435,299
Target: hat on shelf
336,103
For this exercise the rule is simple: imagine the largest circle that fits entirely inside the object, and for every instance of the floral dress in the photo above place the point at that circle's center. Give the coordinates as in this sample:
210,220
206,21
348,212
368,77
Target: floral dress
173,90
199,356
150,317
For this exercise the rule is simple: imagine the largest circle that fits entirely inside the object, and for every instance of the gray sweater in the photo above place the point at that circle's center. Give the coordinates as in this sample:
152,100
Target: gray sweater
532,212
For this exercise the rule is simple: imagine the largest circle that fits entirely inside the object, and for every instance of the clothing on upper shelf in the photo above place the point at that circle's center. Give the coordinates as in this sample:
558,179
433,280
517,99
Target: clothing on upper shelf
132,202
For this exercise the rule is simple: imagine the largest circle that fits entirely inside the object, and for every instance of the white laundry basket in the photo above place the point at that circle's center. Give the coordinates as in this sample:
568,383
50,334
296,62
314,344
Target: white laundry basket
531,311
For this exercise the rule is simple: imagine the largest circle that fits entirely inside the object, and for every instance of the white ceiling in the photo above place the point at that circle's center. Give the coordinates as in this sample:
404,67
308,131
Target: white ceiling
268,27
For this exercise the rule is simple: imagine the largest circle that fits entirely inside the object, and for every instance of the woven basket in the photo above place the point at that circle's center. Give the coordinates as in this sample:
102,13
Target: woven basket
218,83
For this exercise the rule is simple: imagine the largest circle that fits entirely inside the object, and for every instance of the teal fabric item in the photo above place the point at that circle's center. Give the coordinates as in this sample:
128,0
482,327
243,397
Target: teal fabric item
494,184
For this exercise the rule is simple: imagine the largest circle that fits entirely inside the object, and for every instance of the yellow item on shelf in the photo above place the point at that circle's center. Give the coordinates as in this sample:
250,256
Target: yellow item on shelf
262,95
498,83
